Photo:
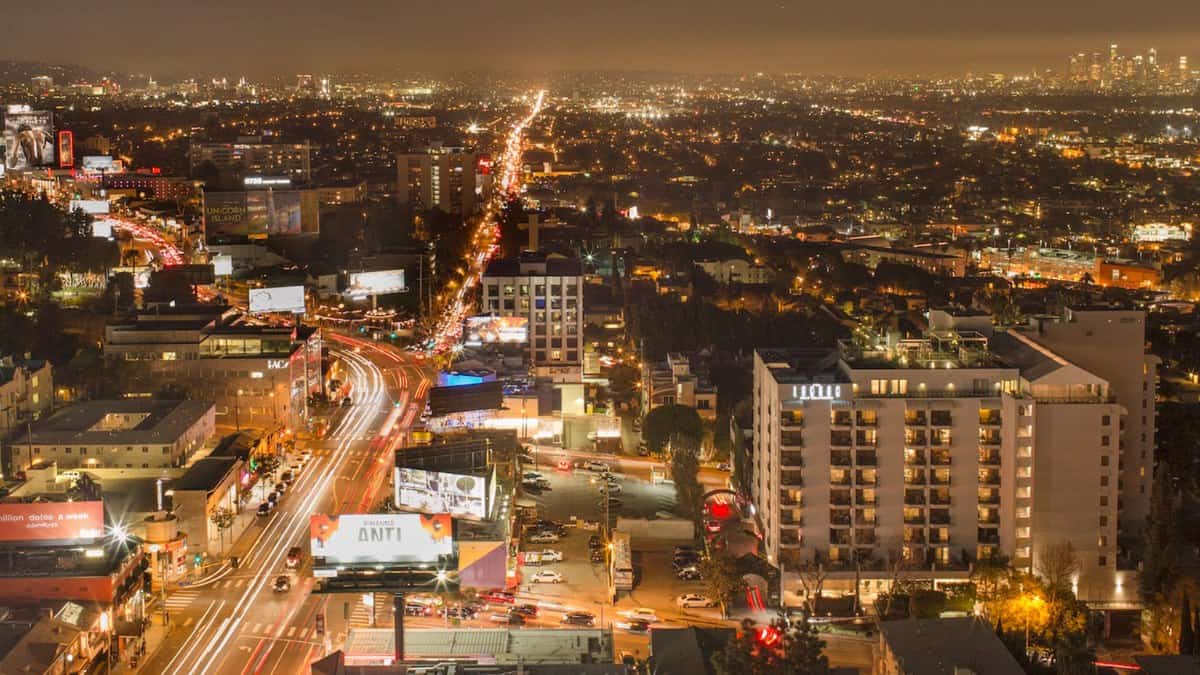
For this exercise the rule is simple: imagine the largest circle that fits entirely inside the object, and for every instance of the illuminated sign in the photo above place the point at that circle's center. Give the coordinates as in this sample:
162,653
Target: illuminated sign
496,329
375,283
66,149
267,181
816,392
52,521
380,538
29,140
436,492
288,299
97,163
277,364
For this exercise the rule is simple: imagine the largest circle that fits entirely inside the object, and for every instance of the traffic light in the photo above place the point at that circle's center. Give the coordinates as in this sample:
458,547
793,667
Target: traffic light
198,559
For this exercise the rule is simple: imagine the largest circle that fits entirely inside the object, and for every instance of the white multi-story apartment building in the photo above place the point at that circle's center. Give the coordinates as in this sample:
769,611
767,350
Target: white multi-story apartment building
452,179
549,293
935,452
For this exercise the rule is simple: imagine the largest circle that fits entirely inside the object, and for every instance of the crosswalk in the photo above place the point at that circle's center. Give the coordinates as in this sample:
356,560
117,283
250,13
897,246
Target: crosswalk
360,614
180,600
328,452
297,633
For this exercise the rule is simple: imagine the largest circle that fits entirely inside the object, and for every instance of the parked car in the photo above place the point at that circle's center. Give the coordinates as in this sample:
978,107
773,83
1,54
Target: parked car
595,542
294,555
545,577
691,573
579,619
597,555
266,508
550,555
613,488
596,466
282,584
544,538
684,549
347,402
287,477
694,600
531,475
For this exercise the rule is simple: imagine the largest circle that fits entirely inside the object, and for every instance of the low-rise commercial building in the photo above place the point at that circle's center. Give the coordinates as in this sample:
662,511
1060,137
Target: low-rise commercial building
942,647
137,433
672,382
210,485
257,376
26,391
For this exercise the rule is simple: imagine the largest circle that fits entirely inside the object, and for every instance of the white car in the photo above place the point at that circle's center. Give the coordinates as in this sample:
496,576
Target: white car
546,577
550,555
694,600
544,538
596,466
643,613
613,488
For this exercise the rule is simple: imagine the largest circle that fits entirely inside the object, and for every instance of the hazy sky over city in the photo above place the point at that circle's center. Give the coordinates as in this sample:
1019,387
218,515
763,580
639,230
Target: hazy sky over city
264,37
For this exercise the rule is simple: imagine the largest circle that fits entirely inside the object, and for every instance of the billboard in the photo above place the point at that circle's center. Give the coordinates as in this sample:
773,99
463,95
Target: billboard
96,207
102,227
376,283
97,163
66,149
281,299
222,265
52,521
437,492
496,329
381,538
258,213
28,139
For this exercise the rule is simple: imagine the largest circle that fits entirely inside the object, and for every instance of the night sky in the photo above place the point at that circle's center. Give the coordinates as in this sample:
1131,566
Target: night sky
886,37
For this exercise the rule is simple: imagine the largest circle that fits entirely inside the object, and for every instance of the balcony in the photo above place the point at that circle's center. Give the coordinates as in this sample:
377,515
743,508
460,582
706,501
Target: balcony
915,437
989,519
865,537
867,478
862,517
839,537
864,418
840,418
914,457
939,478
939,517
787,499
989,535
990,477
839,457
939,440
866,458
936,537
989,437
914,536
866,438
914,477
839,497
940,418
791,439
989,496
839,518
789,540
917,518
939,497
791,460
786,519
865,497
939,458
791,419
915,418
914,497
839,439
791,479
989,417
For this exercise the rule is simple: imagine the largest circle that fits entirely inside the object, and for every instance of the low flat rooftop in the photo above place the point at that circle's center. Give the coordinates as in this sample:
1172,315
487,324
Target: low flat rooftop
119,421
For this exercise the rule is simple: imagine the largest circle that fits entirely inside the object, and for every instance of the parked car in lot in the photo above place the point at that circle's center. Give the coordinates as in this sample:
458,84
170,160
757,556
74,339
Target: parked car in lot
544,538
531,475
612,488
282,584
579,619
595,542
550,555
691,573
545,577
694,600
294,555
597,555
593,465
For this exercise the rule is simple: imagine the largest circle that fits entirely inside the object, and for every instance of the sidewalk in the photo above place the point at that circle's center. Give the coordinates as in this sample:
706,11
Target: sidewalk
152,639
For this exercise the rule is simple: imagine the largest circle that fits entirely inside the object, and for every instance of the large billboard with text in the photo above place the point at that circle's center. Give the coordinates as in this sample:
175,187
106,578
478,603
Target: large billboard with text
289,299
395,538
375,283
52,521
437,492
259,213
28,139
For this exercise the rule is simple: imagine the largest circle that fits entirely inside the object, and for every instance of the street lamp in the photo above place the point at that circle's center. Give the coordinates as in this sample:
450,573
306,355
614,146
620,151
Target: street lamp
1031,602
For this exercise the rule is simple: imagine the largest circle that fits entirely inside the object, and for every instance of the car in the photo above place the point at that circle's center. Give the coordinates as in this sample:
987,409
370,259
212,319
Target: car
594,542
597,555
274,498
459,612
550,555
628,660
545,577
266,508
507,619
634,625
531,475
684,563
417,609
287,477
694,600
579,619
553,525
281,488
282,584
68,476
563,465
724,466
528,611
683,549
596,466
347,402
612,488
691,573
498,597
533,485
544,538
643,613
294,555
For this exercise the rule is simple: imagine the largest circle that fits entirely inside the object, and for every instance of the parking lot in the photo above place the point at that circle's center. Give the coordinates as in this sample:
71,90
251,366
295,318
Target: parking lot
572,493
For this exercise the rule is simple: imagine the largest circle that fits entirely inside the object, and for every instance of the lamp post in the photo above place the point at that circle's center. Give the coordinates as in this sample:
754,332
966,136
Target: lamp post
1031,602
